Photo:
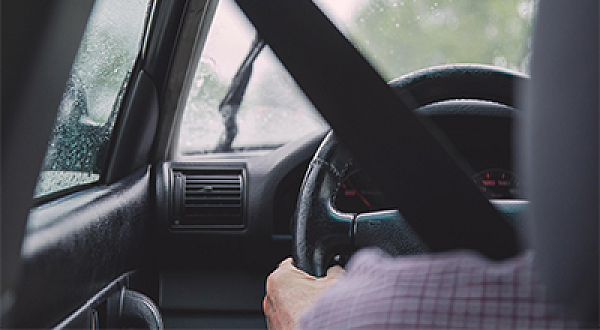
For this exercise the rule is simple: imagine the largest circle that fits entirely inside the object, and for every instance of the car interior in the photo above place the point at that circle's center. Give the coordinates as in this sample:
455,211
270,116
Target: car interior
449,156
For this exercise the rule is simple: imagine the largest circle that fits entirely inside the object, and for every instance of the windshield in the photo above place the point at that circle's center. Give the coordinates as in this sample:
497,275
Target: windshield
401,36
396,36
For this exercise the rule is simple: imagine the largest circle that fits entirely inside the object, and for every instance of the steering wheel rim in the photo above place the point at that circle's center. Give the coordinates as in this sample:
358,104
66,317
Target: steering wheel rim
321,231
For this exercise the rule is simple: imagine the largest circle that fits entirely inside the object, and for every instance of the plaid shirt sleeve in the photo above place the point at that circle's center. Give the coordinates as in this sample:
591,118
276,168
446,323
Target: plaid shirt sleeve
453,290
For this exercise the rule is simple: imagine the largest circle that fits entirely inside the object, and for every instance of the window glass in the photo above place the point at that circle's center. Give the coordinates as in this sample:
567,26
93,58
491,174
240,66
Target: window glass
87,112
273,112
401,36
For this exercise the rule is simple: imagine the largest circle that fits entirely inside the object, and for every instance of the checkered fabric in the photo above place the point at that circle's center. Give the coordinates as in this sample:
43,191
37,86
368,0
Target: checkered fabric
454,290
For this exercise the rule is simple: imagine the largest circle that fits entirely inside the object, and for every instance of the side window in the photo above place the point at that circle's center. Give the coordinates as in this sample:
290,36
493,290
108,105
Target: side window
274,111
86,115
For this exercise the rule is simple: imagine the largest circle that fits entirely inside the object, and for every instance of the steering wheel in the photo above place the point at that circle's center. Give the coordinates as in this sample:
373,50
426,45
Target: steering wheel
323,234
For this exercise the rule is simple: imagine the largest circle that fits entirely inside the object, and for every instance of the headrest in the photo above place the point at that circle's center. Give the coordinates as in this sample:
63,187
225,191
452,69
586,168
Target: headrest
560,153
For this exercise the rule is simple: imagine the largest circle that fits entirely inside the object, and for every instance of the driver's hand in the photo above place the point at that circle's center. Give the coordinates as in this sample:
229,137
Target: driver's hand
290,292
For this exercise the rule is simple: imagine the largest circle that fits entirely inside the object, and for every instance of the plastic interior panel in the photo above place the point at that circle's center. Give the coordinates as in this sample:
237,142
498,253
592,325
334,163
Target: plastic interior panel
88,240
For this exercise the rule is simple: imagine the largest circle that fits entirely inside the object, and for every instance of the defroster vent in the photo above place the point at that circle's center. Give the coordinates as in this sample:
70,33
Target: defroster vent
211,198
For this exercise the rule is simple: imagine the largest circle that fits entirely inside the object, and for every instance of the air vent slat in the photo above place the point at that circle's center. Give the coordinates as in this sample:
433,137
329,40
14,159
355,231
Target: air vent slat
213,190
219,207
212,202
207,181
219,196
211,176
210,199
212,187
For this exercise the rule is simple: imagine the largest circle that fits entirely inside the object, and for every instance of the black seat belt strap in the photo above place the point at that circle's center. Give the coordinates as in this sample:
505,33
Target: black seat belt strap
401,155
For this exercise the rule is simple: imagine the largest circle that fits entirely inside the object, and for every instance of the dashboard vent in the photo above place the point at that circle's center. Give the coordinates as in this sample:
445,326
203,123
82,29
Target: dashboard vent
211,198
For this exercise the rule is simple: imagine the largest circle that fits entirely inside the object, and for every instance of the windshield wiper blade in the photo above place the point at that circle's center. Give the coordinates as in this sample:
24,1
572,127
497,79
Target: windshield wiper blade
230,105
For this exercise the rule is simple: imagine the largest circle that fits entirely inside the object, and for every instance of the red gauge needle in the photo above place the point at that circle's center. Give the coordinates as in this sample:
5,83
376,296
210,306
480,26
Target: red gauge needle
362,198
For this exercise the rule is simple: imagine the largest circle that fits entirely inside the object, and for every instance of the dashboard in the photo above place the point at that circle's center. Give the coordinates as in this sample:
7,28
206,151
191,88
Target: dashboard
255,194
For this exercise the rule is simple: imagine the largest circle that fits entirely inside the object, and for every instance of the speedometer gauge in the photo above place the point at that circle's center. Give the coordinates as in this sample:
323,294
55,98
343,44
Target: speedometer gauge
357,194
497,184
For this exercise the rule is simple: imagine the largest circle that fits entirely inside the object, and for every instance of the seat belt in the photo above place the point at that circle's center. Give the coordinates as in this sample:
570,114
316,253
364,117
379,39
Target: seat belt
397,149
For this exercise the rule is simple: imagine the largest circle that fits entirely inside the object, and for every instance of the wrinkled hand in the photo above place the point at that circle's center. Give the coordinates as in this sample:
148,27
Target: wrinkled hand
290,292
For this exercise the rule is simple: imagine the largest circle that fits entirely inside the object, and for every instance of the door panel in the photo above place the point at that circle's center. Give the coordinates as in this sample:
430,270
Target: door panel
77,246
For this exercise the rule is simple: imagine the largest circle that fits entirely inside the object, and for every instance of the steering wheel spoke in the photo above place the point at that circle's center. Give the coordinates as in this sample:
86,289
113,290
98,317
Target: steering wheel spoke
388,231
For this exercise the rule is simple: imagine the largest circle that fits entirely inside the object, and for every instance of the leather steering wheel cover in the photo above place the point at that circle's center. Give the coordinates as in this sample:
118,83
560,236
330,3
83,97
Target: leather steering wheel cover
318,227
458,81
